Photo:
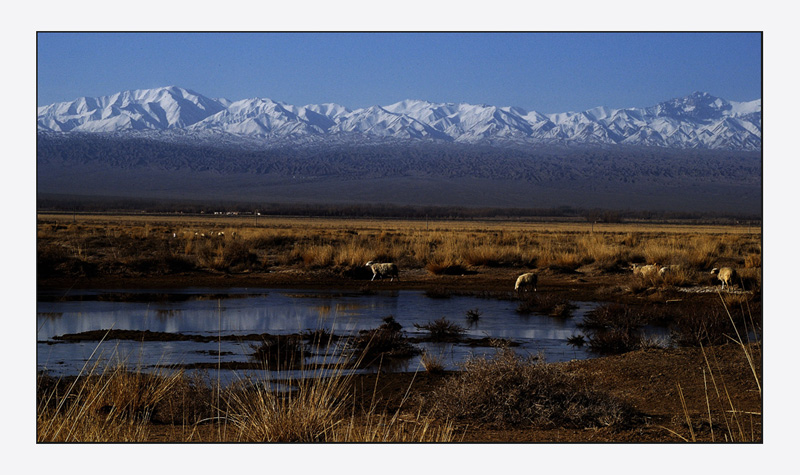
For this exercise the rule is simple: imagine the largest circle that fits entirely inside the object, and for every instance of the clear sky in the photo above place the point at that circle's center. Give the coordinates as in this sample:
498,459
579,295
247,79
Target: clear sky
546,72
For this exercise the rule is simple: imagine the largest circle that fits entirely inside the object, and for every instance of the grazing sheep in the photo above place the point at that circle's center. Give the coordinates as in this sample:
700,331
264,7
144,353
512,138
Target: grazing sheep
383,269
526,281
644,271
725,275
668,269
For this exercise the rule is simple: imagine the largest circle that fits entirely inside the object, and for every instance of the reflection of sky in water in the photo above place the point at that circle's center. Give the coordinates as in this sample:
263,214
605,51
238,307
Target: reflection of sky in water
283,312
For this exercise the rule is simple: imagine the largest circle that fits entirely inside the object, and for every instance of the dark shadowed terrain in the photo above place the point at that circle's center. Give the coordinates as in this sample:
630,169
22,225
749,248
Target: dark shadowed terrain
403,174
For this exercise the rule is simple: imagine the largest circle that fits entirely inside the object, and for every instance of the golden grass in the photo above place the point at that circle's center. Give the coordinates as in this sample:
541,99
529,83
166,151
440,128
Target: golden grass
172,244
115,404
107,404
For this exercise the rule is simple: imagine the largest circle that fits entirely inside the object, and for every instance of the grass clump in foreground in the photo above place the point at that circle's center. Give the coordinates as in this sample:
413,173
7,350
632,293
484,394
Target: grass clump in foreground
509,390
115,404
108,405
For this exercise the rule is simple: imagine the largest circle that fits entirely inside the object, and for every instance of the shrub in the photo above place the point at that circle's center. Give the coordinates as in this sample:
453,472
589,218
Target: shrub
508,390
386,341
551,304
473,315
279,352
442,330
613,329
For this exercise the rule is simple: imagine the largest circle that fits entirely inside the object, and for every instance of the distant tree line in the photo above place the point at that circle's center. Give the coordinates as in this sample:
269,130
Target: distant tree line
98,204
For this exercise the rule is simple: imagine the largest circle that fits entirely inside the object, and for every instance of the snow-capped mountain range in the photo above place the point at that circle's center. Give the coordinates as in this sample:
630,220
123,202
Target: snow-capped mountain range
699,120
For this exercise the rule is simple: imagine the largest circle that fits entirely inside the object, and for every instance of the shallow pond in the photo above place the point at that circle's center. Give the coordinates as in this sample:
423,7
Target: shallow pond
279,311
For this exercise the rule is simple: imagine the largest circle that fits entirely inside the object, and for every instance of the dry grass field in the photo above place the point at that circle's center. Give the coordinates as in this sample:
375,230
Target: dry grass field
132,245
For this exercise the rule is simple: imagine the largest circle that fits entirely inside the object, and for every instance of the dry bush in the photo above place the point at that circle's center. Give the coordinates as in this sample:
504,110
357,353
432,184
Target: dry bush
224,255
445,266
279,352
387,341
490,255
614,329
442,330
510,391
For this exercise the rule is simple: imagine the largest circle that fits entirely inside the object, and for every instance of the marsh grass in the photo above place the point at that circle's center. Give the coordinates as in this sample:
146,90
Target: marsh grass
714,326
614,329
388,341
112,403
279,352
112,245
104,403
554,305
442,330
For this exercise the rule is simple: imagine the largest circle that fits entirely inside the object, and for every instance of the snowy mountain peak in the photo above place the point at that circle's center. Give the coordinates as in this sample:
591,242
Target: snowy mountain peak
698,120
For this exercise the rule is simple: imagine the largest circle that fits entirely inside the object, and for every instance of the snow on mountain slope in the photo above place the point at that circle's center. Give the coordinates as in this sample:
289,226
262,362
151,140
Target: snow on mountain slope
699,120
162,108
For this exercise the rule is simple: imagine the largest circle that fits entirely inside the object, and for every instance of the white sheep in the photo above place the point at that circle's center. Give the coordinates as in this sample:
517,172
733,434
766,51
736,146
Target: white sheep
725,275
668,269
383,269
526,281
644,271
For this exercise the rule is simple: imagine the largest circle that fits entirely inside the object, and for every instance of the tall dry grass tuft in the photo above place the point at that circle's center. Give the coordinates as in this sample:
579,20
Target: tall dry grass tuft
320,407
310,413
432,364
381,426
115,404
109,404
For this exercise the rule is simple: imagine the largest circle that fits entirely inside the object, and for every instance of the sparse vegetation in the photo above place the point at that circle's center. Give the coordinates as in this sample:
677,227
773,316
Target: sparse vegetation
473,315
614,329
509,390
279,352
388,341
114,404
442,330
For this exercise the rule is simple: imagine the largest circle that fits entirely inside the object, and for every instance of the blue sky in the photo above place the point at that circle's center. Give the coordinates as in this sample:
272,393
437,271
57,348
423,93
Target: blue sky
546,72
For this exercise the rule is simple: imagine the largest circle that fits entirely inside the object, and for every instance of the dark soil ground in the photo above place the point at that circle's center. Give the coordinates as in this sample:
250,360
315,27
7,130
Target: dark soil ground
721,394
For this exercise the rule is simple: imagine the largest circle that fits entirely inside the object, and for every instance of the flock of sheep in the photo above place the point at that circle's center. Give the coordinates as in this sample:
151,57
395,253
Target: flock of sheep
528,281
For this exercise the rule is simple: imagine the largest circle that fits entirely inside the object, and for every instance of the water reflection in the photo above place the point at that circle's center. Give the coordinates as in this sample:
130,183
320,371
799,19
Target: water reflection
286,312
